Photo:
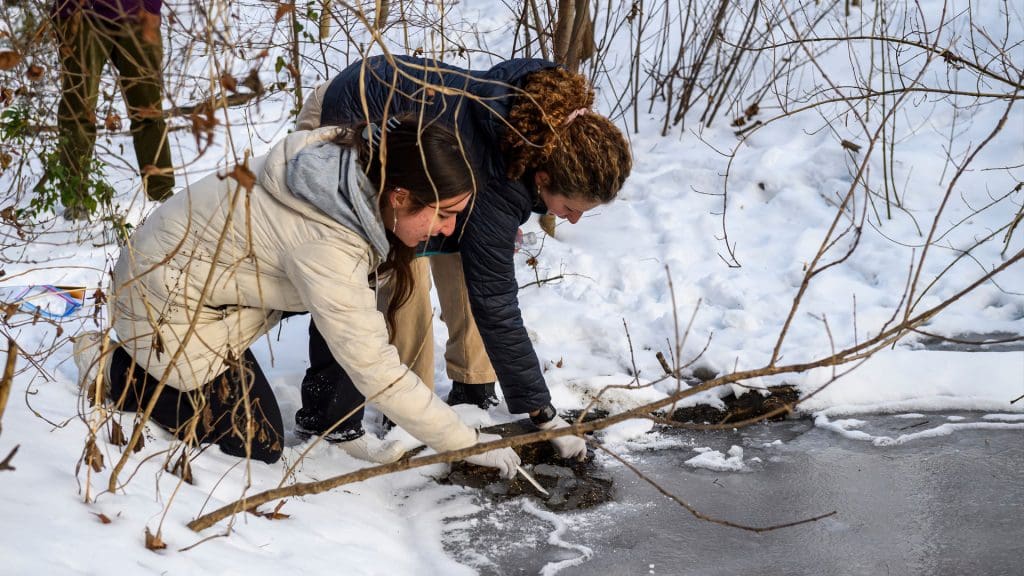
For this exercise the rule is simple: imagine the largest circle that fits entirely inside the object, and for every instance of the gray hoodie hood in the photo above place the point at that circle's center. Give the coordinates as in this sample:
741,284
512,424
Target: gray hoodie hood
327,176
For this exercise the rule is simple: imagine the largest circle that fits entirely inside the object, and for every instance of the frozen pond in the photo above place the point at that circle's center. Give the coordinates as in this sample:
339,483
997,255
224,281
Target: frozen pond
936,505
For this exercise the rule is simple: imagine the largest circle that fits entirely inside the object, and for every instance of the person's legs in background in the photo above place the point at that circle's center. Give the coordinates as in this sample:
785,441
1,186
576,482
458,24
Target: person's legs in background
413,332
138,58
83,51
465,356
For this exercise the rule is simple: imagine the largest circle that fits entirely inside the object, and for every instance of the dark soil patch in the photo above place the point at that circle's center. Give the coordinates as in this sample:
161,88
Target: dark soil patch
737,409
572,485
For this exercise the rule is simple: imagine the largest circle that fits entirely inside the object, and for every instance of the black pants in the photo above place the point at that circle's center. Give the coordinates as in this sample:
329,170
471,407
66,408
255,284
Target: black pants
328,395
225,419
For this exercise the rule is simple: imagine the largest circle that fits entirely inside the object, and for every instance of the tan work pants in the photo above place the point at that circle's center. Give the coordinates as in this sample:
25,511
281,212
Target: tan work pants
413,335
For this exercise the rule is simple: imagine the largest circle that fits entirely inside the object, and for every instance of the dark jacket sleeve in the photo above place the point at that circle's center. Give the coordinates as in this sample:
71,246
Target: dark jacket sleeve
488,249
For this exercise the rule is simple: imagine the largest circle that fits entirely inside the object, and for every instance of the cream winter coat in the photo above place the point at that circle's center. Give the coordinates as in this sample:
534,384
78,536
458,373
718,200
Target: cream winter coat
213,268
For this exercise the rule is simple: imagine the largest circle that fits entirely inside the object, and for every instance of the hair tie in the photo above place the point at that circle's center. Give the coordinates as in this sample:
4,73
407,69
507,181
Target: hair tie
371,132
574,115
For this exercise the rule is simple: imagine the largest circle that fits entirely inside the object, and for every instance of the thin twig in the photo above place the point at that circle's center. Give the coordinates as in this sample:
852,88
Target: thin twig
7,381
700,515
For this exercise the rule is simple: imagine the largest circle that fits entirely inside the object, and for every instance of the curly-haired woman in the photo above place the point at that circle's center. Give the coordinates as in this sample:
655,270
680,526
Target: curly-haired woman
543,150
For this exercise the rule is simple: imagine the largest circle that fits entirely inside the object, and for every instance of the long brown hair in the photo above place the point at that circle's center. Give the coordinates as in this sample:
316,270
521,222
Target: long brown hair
553,130
429,161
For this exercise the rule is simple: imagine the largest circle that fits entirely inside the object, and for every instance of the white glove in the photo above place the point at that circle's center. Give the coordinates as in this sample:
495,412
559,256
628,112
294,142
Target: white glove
570,447
504,459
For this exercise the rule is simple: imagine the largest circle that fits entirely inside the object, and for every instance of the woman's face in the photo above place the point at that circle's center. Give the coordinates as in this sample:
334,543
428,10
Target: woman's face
413,224
570,209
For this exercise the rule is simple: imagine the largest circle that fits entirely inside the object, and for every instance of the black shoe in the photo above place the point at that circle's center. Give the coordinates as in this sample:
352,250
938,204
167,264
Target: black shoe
481,395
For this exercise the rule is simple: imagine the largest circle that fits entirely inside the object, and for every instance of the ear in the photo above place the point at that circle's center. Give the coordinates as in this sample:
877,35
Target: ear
541,178
398,197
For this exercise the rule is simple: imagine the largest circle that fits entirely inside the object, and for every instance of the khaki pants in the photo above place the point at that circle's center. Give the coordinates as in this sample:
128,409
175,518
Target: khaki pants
465,356
86,44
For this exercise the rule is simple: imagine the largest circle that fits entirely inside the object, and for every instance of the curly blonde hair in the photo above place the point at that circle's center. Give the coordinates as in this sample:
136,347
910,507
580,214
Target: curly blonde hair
553,130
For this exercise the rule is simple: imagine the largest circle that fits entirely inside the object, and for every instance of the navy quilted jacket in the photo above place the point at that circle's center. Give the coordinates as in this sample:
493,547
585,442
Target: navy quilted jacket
486,234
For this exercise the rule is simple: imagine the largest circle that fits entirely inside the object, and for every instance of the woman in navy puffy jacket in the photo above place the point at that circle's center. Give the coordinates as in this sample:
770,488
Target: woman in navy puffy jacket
542,150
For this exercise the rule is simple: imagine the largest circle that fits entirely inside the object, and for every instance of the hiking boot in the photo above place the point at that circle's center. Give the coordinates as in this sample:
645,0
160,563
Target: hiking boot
480,395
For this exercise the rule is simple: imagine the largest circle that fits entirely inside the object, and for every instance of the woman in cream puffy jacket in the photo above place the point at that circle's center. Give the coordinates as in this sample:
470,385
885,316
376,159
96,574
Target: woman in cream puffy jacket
215,267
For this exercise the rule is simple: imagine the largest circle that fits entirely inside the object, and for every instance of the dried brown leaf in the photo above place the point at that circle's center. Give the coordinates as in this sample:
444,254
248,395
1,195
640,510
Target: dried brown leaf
154,542
99,296
10,310
253,82
112,122
93,456
100,299
228,82
245,178
34,73
183,468
203,123
103,517
283,10
158,344
117,437
9,59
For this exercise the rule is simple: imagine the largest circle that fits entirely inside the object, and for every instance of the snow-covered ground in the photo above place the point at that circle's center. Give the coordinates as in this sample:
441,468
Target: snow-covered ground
784,185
